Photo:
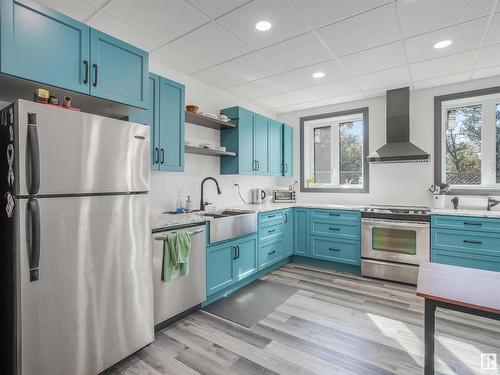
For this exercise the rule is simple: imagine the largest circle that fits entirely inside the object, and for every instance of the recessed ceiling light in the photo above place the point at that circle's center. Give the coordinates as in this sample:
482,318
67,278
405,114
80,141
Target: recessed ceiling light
442,44
318,75
263,25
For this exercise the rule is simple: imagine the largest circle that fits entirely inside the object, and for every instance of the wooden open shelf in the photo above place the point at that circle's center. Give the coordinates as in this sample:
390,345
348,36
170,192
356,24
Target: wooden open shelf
207,122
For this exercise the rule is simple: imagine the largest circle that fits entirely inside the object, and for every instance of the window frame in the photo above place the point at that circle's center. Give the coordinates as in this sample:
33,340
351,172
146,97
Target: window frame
467,97
365,187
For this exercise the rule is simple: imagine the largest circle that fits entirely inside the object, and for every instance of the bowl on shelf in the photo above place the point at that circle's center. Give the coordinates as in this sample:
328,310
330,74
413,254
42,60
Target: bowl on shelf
223,118
192,108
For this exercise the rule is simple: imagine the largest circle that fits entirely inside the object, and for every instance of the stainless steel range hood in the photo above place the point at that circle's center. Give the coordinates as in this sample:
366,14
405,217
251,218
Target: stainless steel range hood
398,148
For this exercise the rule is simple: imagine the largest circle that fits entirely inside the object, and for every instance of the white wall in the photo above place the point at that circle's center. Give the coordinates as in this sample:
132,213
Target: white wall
389,183
164,185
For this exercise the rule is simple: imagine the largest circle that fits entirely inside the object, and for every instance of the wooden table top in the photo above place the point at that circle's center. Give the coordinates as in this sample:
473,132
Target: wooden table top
460,286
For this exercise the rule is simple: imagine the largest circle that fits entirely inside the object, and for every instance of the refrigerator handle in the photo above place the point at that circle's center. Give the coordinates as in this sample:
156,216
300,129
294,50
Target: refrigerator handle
34,152
33,235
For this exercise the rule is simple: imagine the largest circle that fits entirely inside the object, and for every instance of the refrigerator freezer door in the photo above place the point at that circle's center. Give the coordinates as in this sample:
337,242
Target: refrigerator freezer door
92,303
80,153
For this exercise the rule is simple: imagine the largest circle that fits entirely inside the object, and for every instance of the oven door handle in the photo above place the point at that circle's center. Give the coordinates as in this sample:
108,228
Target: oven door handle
395,223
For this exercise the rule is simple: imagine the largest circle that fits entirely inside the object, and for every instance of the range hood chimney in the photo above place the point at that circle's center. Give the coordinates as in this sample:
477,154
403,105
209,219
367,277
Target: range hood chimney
398,148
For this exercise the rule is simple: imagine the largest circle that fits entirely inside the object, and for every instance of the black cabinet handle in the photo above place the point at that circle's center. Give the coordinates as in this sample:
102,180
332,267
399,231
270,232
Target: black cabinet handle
334,214
162,151
271,253
333,249
238,250
34,155
95,75
258,164
333,228
271,231
472,223
254,165
156,156
286,218
271,216
473,242
86,79
233,248
33,234
286,168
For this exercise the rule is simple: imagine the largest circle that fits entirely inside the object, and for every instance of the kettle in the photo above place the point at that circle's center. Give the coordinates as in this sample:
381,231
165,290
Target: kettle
258,196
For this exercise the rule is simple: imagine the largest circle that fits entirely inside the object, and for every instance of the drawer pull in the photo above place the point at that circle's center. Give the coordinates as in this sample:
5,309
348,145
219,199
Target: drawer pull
271,216
333,249
334,214
472,223
333,228
271,252
473,242
271,231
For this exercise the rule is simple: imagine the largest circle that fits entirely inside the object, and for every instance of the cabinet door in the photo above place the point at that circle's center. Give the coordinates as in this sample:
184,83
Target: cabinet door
151,117
119,71
171,125
302,231
275,148
260,144
287,150
219,267
245,148
288,221
44,46
245,263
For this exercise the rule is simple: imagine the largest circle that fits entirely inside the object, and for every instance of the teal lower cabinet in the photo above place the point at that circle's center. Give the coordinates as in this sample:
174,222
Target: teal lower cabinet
301,231
270,252
230,261
466,241
337,250
288,222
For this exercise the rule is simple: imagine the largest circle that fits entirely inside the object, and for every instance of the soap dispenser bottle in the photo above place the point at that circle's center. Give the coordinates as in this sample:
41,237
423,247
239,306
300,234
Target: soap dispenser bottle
189,204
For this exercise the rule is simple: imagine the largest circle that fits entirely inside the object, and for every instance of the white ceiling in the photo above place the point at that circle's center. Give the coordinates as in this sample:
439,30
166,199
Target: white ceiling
364,46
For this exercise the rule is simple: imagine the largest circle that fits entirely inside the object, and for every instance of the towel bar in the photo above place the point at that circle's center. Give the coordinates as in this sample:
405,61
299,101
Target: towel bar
161,238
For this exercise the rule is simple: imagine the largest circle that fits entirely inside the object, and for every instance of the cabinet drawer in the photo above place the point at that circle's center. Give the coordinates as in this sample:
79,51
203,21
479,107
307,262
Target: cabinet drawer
349,230
271,231
483,262
466,242
270,218
339,251
335,214
270,253
477,224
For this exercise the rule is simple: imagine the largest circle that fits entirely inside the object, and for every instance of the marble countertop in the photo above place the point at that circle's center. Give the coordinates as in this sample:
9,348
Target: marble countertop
170,221
476,213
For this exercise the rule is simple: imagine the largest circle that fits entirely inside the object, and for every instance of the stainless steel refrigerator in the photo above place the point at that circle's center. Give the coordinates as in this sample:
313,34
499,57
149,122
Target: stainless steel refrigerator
75,262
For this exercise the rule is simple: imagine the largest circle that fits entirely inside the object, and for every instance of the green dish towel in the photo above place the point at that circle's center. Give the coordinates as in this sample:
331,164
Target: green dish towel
176,249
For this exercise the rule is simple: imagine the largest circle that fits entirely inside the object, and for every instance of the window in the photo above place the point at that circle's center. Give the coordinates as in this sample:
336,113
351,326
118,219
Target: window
333,152
468,141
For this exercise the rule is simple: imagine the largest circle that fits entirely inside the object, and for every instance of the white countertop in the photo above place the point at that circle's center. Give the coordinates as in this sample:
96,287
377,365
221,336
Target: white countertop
476,213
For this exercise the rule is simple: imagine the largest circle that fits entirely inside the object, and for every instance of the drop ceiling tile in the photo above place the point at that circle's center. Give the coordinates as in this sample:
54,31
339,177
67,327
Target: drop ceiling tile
367,30
210,44
216,8
114,27
254,90
486,72
164,20
288,98
294,53
285,22
379,58
465,36
489,56
177,60
385,79
494,31
440,81
96,3
76,9
237,71
332,89
421,16
323,12
443,66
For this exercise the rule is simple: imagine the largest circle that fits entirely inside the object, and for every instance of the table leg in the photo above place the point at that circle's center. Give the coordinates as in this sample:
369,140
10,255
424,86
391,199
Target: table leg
429,325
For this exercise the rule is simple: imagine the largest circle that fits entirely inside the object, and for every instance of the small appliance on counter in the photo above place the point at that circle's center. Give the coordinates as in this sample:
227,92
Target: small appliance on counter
258,196
284,196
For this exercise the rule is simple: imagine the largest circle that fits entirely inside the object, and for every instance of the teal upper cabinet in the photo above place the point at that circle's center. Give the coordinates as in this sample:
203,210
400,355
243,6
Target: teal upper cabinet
260,145
44,46
171,125
119,70
275,148
287,150
165,115
151,117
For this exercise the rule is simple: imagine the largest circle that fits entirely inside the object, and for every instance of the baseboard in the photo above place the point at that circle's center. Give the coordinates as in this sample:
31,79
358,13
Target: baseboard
176,318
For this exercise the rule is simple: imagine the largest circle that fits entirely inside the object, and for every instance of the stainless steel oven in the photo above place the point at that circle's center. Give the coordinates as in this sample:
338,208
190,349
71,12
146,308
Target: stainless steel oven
393,244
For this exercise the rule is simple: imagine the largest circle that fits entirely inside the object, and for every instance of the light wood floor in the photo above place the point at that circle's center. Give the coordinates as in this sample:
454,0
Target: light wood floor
335,324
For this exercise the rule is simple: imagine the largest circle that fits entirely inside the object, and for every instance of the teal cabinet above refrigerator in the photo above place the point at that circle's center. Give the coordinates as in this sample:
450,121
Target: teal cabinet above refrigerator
41,45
